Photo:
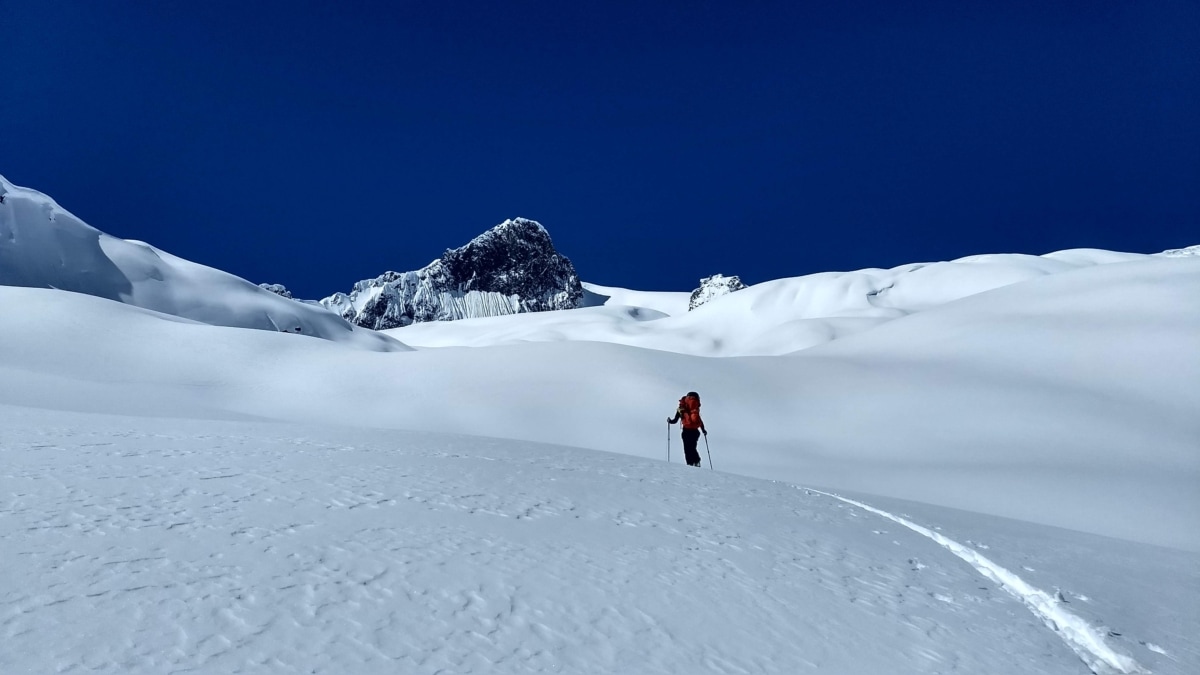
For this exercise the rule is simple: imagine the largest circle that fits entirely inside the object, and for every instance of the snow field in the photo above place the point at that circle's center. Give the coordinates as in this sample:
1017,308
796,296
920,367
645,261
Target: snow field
159,545
1076,391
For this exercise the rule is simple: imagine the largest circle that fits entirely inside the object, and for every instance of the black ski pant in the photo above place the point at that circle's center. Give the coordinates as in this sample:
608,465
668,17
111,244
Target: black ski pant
690,437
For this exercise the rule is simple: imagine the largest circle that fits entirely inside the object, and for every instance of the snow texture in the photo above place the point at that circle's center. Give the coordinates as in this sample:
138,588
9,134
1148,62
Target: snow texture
714,287
509,269
143,545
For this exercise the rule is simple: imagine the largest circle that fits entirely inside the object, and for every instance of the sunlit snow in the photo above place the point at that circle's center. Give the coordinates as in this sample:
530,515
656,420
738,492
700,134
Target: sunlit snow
981,466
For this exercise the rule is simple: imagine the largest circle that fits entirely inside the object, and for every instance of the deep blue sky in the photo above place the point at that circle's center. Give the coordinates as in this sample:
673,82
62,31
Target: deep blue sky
318,143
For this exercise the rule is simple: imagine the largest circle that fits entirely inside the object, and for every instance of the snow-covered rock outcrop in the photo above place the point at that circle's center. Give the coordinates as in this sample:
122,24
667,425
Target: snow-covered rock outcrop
42,245
277,289
509,269
714,287
1190,251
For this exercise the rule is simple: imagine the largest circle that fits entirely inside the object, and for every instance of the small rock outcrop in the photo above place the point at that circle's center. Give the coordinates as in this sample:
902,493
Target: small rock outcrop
509,269
278,289
714,287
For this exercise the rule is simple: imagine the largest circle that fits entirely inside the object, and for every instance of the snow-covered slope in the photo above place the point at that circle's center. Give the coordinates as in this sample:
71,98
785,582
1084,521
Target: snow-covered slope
44,246
1076,391
136,545
510,269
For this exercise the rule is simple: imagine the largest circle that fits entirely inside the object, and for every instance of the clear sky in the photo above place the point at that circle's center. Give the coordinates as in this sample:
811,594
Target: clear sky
318,143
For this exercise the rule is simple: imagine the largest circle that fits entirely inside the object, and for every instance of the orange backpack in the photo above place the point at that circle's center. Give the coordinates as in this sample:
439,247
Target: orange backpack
689,411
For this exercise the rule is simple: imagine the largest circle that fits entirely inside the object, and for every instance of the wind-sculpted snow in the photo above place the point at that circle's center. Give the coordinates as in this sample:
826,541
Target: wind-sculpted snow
155,546
44,246
669,303
510,269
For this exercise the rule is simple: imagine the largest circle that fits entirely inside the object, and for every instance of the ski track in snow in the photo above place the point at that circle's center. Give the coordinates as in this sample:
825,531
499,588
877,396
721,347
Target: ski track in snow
1084,639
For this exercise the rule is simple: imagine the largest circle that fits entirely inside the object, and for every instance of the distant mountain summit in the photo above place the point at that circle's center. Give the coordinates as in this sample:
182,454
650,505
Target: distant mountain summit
714,287
510,269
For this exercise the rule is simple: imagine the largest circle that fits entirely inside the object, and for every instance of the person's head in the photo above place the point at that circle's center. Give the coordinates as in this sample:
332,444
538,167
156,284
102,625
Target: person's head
692,393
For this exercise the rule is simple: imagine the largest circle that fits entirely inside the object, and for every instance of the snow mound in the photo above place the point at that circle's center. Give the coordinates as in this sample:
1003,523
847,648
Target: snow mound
42,245
670,303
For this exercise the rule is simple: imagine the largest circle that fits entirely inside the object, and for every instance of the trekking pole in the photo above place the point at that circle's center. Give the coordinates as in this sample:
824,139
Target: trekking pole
709,451
668,442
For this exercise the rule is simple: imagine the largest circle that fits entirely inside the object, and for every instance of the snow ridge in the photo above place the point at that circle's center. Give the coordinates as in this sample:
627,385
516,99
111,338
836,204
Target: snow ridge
42,245
1084,639
1188,252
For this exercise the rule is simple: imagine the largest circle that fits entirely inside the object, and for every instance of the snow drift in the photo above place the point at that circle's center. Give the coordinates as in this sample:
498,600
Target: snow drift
767,319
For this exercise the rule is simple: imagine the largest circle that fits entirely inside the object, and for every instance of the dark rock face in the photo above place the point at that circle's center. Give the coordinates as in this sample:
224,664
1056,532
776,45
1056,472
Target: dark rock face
509,269
516,258
712,288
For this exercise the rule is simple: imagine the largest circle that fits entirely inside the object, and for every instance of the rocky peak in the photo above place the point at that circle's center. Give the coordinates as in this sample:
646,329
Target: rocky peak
714,287
514,257
511,268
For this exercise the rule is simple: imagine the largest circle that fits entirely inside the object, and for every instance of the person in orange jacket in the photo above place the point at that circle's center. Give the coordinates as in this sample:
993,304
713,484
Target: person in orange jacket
688,412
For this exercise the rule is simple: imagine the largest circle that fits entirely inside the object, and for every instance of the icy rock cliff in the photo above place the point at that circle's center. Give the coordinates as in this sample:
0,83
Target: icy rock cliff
509,269
714,287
